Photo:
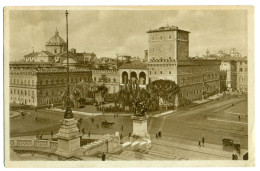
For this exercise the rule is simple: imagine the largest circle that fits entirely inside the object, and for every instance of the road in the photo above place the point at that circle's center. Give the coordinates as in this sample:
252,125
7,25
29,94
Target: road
181,130
213,121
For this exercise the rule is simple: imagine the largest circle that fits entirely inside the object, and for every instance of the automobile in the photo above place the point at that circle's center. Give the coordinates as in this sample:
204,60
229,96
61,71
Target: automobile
227,142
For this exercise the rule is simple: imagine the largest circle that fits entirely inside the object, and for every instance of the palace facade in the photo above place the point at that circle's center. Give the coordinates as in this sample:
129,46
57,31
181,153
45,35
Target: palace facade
168,58
42,87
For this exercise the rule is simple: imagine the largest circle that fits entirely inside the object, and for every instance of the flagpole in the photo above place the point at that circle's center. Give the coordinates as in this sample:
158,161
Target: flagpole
68,113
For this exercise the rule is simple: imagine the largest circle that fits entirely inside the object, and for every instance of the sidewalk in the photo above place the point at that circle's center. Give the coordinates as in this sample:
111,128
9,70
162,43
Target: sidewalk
76,112
189,146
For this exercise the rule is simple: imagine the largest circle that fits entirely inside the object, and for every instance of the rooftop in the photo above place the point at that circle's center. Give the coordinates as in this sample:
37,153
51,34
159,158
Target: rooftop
134,65
167,28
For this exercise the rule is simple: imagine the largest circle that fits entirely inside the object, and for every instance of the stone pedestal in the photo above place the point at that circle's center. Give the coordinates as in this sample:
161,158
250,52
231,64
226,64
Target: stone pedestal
68,138
140,134
140,126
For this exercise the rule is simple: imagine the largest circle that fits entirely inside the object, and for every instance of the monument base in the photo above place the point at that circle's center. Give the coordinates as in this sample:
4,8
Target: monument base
140,139
68,138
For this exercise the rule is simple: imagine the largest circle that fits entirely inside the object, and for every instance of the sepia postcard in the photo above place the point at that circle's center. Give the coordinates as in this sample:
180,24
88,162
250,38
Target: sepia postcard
129,86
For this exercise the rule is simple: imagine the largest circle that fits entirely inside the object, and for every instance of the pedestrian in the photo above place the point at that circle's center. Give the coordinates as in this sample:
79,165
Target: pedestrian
103,156
51,135
89,134
92,119
36,119
203,140
121,136
40,136
239,117
83,130
199,144
122,127
233,157
129,134
156,135
205,116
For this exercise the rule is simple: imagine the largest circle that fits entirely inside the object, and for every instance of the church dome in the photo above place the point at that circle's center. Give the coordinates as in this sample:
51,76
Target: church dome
56,39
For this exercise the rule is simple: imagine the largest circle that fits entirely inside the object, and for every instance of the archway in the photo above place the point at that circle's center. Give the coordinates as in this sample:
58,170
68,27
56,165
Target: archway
124,77
133,77
142,78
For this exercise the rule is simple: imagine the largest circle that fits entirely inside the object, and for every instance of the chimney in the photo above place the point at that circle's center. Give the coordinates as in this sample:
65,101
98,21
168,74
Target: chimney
73,50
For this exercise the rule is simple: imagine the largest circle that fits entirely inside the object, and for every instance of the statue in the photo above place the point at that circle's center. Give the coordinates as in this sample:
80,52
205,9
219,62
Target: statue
139,107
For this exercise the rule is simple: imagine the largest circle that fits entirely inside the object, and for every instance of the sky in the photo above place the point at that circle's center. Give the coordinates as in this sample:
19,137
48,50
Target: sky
111,32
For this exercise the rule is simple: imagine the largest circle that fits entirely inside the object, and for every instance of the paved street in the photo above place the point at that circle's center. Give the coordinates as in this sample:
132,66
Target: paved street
181,130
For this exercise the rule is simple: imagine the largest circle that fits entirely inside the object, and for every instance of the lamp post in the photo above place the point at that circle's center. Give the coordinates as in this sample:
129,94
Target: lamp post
68,113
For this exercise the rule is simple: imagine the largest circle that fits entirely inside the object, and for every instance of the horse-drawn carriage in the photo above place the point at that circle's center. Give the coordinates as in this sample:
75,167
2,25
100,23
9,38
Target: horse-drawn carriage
107,124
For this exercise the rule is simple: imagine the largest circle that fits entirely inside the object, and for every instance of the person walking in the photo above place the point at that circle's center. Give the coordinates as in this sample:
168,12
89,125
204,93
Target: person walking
199,144
156,135
36,119
83,131
238,117
89,134
92,119
103,156
233,157
51,135
203,140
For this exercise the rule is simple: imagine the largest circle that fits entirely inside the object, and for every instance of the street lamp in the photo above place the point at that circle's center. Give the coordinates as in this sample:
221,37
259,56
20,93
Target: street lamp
68,113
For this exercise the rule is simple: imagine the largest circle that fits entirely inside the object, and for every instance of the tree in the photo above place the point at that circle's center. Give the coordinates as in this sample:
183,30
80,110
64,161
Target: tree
165,89
101,93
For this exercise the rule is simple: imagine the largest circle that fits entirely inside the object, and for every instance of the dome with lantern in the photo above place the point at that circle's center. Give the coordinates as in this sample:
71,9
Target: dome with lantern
56,39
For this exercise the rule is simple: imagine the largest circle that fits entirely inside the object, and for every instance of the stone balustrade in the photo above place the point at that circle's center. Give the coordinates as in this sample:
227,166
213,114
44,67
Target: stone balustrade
33,143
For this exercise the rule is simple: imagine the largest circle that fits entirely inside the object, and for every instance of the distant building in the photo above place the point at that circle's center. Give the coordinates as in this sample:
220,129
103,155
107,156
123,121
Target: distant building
56,52
168,58
229,66
42,87
111,76
242,75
